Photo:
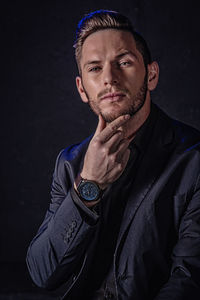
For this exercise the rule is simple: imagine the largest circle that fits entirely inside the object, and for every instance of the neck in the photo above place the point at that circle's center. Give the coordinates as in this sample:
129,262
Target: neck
133,125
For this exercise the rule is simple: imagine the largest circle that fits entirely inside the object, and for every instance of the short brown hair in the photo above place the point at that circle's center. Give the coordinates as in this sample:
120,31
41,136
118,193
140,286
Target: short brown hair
106,19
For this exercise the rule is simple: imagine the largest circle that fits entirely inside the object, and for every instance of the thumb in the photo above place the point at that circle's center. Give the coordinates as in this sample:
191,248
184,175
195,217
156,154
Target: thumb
101,125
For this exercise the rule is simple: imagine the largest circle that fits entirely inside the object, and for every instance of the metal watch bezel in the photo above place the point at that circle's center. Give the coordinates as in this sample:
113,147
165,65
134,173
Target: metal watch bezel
84,182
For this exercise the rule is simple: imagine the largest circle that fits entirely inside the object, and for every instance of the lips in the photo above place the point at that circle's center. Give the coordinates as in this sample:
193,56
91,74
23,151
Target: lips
112,97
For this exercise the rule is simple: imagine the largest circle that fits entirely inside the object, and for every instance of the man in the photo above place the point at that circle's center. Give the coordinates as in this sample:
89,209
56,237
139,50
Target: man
124,220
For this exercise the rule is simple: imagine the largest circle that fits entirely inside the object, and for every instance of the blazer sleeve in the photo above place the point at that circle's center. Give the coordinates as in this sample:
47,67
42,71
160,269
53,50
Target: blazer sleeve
184,282
58,249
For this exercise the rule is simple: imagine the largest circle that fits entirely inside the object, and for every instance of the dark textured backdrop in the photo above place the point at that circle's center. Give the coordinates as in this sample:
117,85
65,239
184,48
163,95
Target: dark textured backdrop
41,112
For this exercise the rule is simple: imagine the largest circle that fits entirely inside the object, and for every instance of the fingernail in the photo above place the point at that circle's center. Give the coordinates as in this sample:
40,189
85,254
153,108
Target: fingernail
126,117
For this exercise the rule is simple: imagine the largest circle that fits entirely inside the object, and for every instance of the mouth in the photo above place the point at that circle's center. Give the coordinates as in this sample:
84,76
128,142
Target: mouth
113,97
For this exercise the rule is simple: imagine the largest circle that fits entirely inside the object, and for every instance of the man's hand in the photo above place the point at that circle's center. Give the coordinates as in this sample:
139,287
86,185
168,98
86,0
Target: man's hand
107,154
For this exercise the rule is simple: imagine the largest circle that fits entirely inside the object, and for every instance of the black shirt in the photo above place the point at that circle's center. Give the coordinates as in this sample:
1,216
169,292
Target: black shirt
101,281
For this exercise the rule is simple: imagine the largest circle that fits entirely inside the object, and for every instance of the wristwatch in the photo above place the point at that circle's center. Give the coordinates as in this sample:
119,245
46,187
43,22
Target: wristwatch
88,190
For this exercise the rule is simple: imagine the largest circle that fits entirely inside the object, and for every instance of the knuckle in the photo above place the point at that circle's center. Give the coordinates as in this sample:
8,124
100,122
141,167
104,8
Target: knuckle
113,158
113,127
104,151
120,167
96,141
119,134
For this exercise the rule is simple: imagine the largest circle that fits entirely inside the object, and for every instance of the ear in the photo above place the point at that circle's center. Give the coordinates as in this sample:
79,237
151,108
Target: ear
81,89
153,75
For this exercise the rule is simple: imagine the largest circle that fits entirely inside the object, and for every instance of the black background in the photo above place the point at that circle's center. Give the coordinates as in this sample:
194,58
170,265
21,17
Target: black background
41,112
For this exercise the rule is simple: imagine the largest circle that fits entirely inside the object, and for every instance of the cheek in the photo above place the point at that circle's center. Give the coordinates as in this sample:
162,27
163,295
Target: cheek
91,86
137,80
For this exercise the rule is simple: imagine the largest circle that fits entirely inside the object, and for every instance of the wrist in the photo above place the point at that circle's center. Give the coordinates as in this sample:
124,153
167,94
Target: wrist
102,186
88,190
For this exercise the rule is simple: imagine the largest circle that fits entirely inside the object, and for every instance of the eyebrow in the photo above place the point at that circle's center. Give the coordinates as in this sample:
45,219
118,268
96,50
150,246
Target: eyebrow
127,53
93,62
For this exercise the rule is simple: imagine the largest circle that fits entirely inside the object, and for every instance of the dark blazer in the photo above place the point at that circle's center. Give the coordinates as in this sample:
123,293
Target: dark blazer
158,249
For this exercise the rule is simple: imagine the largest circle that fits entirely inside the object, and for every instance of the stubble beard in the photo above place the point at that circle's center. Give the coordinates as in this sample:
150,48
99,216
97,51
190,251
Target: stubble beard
136,103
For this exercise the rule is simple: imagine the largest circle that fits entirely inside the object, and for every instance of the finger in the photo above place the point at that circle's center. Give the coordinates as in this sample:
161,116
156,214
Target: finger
123,147
115,172
125,158
101,125
112,128
113,143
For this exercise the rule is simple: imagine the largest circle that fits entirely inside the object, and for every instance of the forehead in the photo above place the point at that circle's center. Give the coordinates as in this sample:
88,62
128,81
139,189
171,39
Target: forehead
108,42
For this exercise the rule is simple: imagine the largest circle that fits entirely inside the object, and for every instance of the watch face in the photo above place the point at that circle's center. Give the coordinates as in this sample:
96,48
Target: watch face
89,191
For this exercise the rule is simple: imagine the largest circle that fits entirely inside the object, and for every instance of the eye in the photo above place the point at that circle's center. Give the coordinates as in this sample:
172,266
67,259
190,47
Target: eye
124,63
94,69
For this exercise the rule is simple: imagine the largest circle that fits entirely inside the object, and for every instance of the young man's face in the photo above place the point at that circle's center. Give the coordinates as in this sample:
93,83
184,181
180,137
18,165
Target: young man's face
114,79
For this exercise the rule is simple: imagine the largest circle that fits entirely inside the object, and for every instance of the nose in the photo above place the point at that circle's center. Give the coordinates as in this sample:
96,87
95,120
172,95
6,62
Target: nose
110,76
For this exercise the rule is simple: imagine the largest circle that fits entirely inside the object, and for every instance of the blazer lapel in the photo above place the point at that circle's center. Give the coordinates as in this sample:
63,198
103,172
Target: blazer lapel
151,165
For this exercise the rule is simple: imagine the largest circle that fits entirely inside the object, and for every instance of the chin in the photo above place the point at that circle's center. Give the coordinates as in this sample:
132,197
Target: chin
112,112
109,117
